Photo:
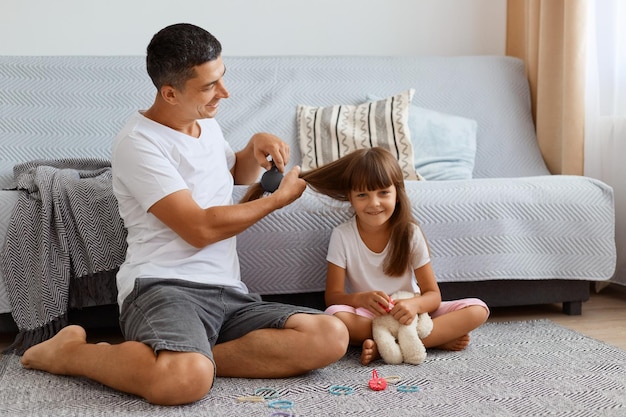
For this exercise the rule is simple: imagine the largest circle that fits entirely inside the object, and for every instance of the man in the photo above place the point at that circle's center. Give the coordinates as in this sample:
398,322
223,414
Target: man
184,312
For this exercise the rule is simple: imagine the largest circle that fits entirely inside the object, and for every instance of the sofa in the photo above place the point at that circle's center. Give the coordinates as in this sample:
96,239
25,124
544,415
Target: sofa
499,225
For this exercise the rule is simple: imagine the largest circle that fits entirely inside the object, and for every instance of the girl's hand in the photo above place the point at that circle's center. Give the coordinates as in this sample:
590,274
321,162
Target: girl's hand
404,310
375,301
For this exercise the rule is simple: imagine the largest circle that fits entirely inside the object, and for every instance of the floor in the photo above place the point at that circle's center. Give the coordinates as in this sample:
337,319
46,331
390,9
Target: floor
603,318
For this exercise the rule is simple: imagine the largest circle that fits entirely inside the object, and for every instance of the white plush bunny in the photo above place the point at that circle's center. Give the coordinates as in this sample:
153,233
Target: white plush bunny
399,343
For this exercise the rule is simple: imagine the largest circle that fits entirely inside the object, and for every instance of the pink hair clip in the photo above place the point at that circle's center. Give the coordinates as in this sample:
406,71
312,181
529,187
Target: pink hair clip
389,307
377,383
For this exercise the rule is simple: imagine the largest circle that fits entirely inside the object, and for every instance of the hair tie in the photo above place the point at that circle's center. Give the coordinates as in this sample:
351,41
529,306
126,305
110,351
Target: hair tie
340,390
251,399
408,388
282,404
266,393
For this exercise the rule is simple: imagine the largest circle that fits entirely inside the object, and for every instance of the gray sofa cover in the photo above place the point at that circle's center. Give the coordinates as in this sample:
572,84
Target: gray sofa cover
501,235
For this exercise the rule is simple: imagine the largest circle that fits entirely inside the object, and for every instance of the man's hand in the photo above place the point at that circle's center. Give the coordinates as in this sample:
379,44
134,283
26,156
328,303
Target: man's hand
290,188
266,144
255,154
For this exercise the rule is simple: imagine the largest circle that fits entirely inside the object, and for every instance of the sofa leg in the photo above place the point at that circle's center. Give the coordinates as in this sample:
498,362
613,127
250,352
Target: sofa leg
573,308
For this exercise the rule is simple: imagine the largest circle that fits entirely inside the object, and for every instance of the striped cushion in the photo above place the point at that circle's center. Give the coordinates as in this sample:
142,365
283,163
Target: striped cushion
328,133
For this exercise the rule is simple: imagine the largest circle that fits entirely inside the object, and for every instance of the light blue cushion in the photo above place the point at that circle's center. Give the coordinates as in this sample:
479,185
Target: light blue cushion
444,145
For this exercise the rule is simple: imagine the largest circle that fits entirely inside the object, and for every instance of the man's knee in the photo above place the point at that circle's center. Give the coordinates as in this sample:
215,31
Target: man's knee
338,330
332,337
181,378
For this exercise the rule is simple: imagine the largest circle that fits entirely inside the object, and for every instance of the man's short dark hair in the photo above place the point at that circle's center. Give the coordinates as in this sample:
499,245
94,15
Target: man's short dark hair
175,50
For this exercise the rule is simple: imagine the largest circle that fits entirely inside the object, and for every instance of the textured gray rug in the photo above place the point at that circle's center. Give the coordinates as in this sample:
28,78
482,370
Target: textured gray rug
510,369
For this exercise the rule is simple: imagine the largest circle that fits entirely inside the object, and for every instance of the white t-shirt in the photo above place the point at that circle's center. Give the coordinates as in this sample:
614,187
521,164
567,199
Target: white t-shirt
150,161
364,268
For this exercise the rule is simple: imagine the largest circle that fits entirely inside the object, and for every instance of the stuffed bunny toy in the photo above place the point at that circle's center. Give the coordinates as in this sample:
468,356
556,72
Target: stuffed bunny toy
399,343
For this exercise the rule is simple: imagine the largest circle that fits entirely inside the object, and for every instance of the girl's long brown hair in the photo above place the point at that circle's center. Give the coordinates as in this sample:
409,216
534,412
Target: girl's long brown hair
366,169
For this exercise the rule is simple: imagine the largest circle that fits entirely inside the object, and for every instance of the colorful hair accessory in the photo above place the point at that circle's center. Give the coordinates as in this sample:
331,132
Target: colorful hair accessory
377,383
341,390
251,399
281,414
408,388
392,378
282,404
389,307
266,393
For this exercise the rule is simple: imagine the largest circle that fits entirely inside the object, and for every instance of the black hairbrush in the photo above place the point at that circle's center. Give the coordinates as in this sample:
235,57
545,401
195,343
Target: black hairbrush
270,180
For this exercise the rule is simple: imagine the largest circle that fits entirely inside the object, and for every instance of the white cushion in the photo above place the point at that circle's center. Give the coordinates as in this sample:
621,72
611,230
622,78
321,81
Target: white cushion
328,133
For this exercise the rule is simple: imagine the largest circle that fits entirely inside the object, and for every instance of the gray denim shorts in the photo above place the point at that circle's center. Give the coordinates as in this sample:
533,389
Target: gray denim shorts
183,316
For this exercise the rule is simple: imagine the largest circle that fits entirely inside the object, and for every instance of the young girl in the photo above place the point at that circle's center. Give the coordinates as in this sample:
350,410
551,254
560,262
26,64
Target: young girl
382,250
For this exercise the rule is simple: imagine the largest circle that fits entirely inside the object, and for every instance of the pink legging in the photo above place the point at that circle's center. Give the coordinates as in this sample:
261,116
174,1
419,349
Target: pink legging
444,307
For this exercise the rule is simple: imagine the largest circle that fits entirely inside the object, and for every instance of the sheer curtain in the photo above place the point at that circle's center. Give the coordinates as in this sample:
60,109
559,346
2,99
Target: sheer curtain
605,110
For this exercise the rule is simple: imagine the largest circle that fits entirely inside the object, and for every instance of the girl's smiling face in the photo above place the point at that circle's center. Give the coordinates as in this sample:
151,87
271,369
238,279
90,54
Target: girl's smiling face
374,208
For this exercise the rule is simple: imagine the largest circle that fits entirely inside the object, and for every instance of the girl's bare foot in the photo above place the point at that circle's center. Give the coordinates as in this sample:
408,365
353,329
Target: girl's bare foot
47,356
456,344
369,352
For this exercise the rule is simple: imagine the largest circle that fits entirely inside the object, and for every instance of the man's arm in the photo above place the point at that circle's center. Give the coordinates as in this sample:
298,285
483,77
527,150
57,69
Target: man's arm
201,227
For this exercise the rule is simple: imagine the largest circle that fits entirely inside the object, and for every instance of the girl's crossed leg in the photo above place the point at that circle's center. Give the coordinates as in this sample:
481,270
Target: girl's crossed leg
452,323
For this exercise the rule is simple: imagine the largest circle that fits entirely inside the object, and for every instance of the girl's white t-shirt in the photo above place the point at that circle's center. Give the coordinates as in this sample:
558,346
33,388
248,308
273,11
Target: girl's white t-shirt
150,161
364,268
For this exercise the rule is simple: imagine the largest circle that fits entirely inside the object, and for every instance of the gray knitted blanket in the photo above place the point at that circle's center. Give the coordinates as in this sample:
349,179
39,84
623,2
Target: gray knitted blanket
63,246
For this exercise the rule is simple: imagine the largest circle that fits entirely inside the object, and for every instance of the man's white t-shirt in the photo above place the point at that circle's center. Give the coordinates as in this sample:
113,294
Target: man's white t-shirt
364,268
150,161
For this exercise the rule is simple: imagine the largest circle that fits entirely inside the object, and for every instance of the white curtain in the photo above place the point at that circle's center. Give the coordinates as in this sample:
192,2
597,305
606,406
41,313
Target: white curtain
605,110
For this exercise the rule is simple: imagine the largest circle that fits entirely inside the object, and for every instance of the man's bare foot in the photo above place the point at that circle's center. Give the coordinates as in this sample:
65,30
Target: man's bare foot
369,352
456,344
47,355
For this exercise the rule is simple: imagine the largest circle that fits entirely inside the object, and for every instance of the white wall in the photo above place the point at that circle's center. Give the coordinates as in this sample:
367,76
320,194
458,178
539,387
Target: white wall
258,27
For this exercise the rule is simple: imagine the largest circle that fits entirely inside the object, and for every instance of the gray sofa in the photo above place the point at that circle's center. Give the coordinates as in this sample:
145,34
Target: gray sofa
512,234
